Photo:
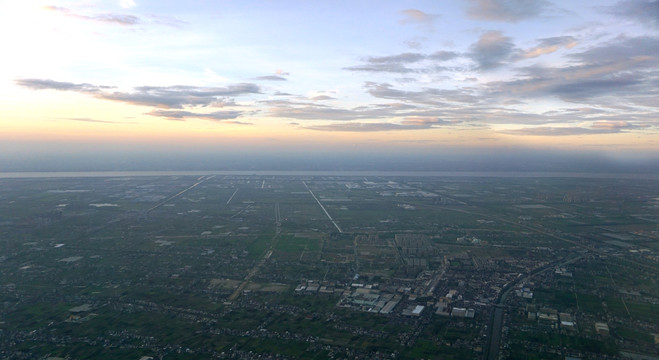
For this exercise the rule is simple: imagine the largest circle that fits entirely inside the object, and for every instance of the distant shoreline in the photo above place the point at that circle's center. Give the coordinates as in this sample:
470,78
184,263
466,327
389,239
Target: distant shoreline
340,173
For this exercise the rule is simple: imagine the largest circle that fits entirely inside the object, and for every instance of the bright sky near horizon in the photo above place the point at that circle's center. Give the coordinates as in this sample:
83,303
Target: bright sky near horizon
420,75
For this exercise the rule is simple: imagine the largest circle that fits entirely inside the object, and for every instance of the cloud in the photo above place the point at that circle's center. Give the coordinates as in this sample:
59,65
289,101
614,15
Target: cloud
625,67
416,114
223,102
361,127
617,80
480,107
120,19
616,125
412,44
183,115
425,121
491,50
414,16
548,46
427,96
321,98
401,63
442,55
167,21
396,59
411,123
391,68
117,19
96,121
127,4
179,95
271,78
393,63
47,84
505,10
622,49
594,87
176,96
386,91
600,127
554,131
278,76
489,105
643,11
317,111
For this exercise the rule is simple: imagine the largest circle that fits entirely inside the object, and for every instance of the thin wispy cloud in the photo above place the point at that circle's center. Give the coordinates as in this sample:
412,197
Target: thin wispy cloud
604,127
271,78
127,4
179,95
548,46
166,21
364,127
414,16
426,96
320,112
326,112
176,96
417,17
159,97
394,63
47,84
505,10
429,121
119,19
184,115
128,20
413,44
411,123
405,63
89,120
321,98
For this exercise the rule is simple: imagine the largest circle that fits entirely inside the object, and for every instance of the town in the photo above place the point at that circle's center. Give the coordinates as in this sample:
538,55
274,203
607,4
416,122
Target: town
329,266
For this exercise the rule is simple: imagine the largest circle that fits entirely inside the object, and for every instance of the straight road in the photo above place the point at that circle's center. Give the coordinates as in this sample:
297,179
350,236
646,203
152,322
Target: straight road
201,180
322,207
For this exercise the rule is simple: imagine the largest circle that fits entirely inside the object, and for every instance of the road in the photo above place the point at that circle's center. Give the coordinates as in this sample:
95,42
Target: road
232,195
496,321
322,207
201,180
255,270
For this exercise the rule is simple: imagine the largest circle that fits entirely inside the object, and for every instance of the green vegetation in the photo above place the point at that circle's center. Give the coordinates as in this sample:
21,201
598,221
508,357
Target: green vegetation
605,347
179,274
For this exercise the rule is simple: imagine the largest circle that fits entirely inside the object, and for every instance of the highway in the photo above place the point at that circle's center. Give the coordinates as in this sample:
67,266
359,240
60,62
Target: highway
496,321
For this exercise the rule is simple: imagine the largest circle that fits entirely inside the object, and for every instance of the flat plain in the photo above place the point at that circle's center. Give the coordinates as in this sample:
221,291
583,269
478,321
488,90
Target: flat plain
259,266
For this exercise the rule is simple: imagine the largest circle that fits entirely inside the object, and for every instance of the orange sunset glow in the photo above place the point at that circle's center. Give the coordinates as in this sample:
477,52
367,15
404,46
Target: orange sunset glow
388,78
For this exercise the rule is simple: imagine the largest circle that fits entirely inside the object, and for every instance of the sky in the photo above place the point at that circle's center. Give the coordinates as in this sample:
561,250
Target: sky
424,82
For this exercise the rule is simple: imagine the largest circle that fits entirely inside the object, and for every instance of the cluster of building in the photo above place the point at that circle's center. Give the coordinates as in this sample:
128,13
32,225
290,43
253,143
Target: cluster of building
550,317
